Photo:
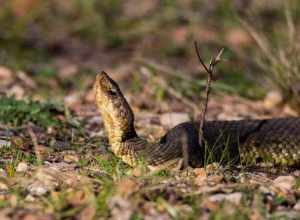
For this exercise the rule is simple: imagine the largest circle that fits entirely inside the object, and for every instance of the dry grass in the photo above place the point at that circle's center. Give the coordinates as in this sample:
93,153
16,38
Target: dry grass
280,62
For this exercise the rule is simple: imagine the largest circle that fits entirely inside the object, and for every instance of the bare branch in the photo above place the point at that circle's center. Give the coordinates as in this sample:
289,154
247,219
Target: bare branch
213,62
199,57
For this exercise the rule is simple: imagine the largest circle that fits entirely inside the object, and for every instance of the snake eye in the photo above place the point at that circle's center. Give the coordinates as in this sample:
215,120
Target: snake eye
112,92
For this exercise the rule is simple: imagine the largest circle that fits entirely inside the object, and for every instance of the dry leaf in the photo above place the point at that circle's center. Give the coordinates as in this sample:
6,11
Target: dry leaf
284,183
201,176
126,186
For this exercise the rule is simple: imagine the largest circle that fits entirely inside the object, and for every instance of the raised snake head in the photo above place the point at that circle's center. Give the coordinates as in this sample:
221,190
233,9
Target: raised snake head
115,111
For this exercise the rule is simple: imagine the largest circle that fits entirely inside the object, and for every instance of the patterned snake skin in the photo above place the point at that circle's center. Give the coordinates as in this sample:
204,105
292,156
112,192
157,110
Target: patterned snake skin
276,141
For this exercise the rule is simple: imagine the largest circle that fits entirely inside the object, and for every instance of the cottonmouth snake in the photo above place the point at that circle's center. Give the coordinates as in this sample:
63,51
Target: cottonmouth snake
275,141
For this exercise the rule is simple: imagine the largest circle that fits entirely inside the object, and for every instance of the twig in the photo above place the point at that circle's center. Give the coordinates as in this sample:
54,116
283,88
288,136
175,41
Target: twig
210,69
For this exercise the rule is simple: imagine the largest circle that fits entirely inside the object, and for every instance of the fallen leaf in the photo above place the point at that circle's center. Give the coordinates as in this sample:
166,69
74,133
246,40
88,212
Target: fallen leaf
201,176
284,183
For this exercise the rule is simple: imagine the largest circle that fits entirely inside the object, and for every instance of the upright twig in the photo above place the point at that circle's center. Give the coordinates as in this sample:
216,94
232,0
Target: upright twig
210,70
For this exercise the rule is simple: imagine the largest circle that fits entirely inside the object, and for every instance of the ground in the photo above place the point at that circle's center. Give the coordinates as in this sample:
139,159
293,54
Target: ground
55,162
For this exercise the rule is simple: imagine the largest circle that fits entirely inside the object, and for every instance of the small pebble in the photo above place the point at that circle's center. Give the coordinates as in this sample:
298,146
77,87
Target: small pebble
273,99
29,198
22,167
233,197
37,188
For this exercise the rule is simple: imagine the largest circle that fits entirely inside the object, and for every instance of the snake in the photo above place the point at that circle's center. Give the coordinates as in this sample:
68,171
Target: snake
274,141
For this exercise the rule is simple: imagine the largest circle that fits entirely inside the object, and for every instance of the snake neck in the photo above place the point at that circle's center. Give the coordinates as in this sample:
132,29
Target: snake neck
124,141
133,151
118,131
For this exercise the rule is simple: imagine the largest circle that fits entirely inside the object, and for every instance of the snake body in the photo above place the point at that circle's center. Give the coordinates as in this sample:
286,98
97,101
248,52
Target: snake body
276,141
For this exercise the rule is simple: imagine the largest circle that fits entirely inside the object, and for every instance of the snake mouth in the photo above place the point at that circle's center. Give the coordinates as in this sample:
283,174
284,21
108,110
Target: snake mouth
102,76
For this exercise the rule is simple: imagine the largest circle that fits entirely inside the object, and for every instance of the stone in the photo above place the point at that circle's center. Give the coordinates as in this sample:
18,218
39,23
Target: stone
37,188
234,198
273,99
22,167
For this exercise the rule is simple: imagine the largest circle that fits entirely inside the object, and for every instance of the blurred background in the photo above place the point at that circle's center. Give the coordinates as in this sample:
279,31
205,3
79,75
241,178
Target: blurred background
51,50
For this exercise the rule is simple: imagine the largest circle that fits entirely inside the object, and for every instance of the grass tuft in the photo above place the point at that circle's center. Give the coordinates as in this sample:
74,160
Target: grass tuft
18,112
278,56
